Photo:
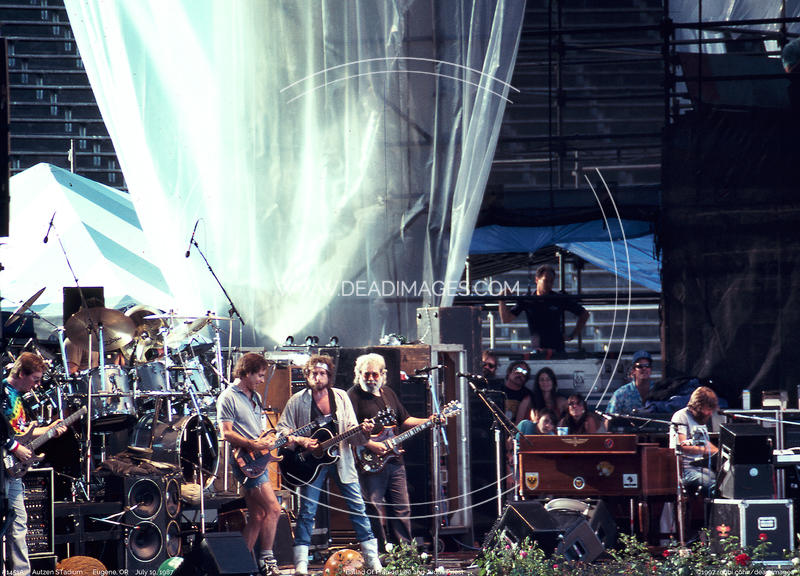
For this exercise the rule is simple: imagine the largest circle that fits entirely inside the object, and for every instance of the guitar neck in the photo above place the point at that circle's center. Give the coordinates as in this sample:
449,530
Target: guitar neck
302,431
340,438
38,441
409,433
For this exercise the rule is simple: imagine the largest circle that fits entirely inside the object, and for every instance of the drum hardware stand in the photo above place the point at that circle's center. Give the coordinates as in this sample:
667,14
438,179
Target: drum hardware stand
202,432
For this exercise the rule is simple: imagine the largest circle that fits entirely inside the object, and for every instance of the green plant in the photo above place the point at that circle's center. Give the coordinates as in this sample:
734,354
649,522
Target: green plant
405,560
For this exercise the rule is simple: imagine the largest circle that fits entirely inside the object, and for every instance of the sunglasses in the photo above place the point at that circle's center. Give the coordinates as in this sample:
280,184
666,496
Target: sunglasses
490,365
371,374
643,366
521,370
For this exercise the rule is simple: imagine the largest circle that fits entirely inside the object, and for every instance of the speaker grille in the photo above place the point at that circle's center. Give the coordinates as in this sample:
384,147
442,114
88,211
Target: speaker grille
144,542
144,498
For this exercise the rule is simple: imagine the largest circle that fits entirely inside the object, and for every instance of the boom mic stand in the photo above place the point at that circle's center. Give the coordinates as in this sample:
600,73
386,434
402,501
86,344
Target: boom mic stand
231,311
500,422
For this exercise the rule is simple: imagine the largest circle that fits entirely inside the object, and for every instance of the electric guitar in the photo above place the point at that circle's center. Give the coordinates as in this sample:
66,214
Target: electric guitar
16,468
253,463
302,466
369,462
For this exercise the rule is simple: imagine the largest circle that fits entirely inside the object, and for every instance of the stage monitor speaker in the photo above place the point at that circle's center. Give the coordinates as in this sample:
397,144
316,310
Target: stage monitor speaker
746,481
226,554
595,512
453,325
567,535
72,299
745,443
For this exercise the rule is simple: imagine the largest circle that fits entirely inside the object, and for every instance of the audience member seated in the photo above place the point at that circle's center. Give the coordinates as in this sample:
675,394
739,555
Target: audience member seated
489,369
545,424
632,396
544,395
514,388
579,419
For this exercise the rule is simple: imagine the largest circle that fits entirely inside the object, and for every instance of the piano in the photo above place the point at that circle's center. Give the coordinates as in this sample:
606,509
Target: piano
595,465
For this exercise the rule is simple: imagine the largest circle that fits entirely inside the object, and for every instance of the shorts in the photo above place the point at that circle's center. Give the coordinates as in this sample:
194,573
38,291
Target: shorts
249,483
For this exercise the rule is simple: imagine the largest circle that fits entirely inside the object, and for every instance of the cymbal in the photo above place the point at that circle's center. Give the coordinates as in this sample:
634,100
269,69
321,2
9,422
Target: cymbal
118,329
21,310
142,318
175,316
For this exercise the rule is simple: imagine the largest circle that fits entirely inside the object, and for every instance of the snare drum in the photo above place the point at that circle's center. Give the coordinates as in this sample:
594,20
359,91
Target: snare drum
176,443
112,404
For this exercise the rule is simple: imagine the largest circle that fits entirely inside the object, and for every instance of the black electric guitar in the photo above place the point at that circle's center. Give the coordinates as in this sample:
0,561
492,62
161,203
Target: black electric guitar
301,467
369,462
253,463
17,469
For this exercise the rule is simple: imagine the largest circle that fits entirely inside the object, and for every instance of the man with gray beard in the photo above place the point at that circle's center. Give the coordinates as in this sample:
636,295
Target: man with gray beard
387,486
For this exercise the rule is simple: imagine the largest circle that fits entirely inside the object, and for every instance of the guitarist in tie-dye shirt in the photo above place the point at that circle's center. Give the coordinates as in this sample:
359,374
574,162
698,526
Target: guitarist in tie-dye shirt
25,375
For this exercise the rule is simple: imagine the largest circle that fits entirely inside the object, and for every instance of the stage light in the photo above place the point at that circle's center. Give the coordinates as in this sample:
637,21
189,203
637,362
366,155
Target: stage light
312,340
289,341
334,341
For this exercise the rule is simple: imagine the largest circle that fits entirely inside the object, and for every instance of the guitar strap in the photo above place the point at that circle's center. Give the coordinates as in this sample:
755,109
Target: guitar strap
316,412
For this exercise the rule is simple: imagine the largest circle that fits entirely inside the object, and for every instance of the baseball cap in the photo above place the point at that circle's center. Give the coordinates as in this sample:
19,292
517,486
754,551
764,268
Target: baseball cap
639,354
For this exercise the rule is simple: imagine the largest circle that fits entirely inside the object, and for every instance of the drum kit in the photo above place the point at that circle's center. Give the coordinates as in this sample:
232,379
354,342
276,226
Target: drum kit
157,392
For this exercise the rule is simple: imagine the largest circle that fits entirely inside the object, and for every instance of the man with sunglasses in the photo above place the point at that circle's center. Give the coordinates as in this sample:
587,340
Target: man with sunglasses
633,395
369,395
489,369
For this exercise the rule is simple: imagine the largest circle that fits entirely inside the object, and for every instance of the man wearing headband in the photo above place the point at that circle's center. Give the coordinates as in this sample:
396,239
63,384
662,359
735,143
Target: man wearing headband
25,375
514,388
242,420
319,399
370,395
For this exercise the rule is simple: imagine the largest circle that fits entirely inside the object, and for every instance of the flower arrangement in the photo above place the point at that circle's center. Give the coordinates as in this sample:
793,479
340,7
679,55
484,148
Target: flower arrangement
405,560
505,557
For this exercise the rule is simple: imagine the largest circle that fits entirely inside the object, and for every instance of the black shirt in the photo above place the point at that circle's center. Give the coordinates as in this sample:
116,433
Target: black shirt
544,318
367,405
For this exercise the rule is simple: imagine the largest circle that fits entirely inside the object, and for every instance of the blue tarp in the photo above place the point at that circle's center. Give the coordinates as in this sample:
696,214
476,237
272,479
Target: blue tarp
589,240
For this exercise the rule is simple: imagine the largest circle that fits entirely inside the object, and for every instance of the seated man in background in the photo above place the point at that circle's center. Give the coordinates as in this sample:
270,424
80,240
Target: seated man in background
690,432
632,396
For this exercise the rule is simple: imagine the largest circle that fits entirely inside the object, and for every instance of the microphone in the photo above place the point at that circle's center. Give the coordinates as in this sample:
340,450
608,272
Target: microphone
49,227
603,415
428,369
472,378
191,240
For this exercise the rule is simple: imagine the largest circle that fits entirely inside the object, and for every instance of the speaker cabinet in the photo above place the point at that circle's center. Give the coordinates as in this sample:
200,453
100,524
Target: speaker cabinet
745,443
153,510
565,532
219,554
750,481
595,512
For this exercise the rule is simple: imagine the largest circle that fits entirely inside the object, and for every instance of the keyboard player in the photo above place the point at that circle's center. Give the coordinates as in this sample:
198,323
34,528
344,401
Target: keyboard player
690,430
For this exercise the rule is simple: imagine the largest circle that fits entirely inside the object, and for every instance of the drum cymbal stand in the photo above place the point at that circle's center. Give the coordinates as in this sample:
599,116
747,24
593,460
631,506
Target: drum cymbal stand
202,433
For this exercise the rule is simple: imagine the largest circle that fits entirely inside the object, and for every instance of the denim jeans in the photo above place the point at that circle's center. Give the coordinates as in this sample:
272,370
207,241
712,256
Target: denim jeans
16,546
388,486
695,477
309,499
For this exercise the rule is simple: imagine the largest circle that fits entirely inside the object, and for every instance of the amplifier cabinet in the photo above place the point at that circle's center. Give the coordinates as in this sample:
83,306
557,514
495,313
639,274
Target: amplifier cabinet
38,484
748,519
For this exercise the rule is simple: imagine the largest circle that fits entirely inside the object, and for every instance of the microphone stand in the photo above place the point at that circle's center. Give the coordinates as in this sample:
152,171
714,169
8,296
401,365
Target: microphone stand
500,422
437,478
231,311
202,432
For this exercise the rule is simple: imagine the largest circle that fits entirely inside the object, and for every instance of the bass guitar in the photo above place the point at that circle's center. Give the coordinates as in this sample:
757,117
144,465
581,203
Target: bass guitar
253,463
17,469
369,462
302,466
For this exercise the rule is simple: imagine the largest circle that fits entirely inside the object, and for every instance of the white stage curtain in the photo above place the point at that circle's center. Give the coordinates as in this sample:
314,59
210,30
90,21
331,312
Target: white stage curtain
335,152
